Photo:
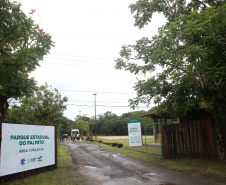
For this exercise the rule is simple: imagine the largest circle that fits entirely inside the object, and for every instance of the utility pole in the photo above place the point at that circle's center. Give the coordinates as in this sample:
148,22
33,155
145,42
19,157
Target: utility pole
95,115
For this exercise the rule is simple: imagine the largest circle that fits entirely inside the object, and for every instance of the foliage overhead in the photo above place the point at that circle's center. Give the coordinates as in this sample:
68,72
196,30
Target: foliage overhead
22,45
190,48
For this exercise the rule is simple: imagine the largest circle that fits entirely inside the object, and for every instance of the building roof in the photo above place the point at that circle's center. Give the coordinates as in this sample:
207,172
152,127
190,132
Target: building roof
152,114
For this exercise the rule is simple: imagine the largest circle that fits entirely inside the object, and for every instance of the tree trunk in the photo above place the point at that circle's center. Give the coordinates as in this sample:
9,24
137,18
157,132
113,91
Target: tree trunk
3,108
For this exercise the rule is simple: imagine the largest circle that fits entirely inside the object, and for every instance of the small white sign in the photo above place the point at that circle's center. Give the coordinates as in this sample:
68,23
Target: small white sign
134,132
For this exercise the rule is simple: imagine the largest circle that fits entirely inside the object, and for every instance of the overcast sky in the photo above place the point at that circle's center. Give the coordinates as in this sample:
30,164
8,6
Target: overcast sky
88,36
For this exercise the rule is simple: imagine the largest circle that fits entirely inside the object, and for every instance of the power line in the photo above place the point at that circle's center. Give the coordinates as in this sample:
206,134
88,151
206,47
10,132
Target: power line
97,92
99,105
97,101
103,106
78,101
116,106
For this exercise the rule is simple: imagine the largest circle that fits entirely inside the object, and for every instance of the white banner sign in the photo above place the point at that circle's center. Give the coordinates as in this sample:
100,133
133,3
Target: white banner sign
134,132
26,147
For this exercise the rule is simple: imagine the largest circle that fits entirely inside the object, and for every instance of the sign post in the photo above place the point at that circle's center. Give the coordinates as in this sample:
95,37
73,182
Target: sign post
134,132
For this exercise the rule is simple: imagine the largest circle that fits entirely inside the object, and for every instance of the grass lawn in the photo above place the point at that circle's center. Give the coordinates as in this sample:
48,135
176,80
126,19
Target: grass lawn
193,166
65,174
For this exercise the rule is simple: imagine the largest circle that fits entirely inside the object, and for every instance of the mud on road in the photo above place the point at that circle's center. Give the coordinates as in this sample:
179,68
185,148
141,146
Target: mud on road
99,166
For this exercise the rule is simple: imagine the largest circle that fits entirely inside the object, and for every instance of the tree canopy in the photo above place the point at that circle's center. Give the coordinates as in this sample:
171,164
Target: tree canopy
190,48
22,45
44,107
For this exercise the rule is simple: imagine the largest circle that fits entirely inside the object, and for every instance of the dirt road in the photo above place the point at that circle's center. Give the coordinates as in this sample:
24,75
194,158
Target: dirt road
99,166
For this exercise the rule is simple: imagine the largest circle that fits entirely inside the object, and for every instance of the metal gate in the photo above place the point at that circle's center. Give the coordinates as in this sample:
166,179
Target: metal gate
153,139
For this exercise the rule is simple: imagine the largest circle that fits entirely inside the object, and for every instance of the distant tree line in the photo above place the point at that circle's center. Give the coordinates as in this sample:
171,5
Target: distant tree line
111,124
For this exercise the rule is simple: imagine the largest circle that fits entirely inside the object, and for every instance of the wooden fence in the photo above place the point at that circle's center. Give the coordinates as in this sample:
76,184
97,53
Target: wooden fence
190,139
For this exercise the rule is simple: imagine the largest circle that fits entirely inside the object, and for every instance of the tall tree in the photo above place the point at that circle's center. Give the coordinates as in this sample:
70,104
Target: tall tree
22,45
191,50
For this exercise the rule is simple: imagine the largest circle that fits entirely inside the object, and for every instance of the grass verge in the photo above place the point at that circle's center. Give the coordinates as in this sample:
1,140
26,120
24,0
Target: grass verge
193,166
65,174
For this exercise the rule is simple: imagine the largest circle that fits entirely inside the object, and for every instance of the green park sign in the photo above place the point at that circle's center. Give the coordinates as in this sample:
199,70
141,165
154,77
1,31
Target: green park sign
134,132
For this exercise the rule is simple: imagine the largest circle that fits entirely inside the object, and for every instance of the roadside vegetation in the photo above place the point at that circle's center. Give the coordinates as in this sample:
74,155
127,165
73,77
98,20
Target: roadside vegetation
195,167
65,174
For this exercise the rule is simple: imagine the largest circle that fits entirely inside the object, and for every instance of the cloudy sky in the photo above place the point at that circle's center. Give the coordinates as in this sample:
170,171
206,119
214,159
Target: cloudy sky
88,36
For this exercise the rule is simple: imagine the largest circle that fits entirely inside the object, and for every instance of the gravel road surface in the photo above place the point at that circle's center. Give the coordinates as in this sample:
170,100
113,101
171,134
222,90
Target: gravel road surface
102,167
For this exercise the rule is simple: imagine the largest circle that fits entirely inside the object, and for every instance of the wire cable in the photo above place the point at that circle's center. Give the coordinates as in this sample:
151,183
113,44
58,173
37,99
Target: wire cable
97,92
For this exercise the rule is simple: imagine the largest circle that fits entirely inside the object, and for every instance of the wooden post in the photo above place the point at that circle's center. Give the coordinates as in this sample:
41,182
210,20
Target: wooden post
167,142
170,141
174,141
187,140
204,133
212,146
163,136
207,140
181,137
177,140
200,140
192,139
195,139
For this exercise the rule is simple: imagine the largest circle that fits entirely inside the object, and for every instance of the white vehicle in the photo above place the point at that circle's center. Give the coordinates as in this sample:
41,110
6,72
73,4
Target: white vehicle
75,133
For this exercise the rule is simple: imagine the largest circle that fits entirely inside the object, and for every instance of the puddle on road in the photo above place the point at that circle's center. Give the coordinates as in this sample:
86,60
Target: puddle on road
92,167
149,174
104,151
113,155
